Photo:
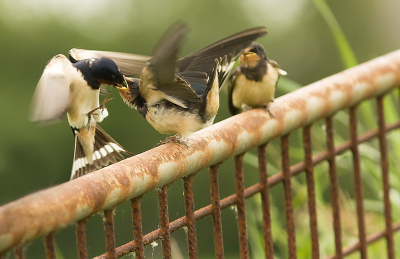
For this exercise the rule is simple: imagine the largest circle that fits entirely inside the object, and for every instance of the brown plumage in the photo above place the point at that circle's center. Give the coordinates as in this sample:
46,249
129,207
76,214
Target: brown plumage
253,82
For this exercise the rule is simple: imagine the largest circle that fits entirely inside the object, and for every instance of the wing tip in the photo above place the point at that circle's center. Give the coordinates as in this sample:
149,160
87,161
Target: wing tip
282,72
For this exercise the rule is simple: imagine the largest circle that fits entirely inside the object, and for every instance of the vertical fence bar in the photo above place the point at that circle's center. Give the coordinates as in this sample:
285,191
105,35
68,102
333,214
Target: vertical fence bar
385,178
164,221
291,235
334,186
81,242
216,212
49,246
311,190
241,207
190,220
137,226
109,230
19,252
265,201
358,181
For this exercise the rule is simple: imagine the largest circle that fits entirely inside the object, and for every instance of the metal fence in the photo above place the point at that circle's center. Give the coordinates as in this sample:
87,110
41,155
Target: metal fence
45,212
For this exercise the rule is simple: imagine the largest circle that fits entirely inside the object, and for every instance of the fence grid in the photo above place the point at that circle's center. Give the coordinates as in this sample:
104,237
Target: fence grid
36,215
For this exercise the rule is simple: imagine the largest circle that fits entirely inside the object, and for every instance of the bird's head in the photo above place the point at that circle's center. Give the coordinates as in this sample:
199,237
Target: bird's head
130,93
106,71
253,55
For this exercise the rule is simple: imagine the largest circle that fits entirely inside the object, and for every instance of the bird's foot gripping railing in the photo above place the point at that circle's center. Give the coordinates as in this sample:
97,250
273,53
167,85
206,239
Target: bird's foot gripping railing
45,212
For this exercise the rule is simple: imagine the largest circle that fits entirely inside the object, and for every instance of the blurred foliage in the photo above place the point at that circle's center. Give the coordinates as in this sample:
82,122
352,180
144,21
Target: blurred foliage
33,158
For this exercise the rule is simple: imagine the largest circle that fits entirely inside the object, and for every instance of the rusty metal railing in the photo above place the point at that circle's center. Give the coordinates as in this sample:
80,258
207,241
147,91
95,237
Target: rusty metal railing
45,212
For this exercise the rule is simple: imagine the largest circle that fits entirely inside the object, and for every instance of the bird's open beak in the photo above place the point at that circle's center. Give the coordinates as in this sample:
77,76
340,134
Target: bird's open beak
124,85
247,53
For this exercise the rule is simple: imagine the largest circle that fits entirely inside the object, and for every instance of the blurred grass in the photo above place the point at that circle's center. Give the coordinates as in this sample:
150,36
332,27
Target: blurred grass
371,176
346,52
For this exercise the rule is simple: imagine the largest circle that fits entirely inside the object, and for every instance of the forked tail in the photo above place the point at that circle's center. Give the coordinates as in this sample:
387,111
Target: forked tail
106,150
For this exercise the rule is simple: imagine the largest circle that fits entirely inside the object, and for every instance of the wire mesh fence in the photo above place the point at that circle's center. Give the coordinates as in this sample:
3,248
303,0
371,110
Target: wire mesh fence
46,212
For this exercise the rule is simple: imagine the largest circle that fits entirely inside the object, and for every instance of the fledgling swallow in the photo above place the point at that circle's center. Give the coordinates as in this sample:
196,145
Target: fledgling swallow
253,82
179,96
74,88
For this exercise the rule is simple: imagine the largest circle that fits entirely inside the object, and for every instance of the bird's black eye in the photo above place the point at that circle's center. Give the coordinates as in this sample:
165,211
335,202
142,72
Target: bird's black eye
254,50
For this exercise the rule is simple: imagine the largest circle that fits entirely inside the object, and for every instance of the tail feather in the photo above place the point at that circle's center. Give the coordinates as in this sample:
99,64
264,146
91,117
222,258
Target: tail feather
106,151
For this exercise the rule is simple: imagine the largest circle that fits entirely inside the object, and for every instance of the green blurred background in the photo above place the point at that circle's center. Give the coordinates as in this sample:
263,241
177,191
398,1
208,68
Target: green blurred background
32,32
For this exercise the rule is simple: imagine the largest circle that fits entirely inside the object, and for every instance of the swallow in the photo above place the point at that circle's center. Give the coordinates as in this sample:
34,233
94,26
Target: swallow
73,88
178,96
253,82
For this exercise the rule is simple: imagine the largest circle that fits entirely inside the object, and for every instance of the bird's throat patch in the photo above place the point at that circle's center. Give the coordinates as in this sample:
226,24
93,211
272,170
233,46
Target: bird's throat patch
249,60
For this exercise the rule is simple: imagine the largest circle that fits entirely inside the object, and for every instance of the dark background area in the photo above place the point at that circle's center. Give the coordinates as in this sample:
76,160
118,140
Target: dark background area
32,32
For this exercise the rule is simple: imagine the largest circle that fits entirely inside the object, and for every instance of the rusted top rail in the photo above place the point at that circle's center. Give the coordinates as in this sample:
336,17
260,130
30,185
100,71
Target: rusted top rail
49,210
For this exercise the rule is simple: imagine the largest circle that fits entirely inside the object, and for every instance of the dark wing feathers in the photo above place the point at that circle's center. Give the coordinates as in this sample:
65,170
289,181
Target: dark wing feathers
221,68
203,59
181,89
197,80
129,64
224,69
163,66
213,73
110,152
163,63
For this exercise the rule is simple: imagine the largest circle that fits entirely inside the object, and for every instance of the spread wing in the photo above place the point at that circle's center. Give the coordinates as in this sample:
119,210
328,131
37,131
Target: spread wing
162,68
129,64
198,80
52,97
231,46
221,69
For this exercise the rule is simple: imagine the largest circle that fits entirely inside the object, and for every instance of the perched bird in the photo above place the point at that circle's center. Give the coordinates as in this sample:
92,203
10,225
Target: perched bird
74,88
178,96
253,82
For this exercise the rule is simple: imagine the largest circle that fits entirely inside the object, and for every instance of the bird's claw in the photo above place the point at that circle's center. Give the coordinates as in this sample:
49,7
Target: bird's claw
269,112
101,107
173,139
246,108
103,103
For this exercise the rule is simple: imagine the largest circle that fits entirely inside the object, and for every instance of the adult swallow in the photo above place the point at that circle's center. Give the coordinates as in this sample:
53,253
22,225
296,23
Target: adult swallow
74,88
179,96
253,82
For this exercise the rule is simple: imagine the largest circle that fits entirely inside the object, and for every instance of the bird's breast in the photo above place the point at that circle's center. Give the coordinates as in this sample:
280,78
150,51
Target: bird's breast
254,93
83,100
168,120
